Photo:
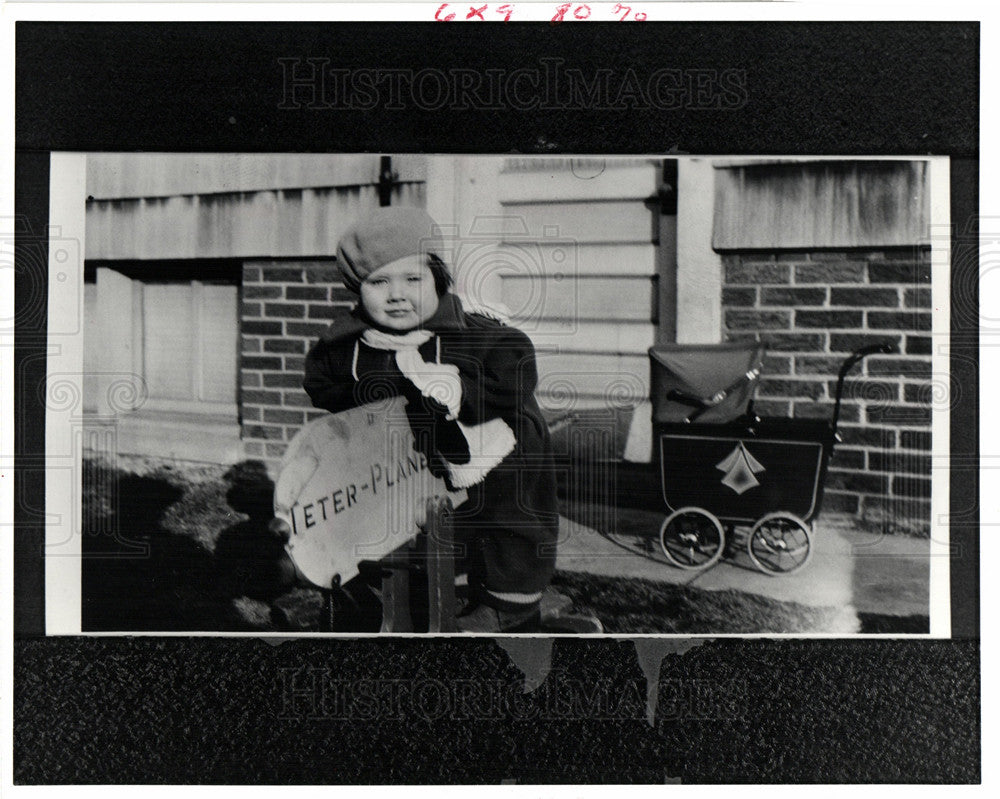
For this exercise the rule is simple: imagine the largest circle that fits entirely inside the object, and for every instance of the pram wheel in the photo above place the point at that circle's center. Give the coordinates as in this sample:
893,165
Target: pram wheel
692,538
779,543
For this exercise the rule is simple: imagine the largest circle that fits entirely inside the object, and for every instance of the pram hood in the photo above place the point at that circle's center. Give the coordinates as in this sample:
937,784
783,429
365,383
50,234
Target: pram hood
708,383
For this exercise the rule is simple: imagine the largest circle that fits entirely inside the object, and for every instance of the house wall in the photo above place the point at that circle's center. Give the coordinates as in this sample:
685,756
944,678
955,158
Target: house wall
173,218
568,246
699,267
571,254
582,235
819,259
285,307
812,309
572,246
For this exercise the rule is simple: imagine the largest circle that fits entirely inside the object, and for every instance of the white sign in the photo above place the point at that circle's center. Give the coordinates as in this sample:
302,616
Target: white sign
353,488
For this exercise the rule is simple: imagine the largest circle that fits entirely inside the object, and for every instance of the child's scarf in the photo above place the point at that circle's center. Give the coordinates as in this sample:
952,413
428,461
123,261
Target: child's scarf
489,443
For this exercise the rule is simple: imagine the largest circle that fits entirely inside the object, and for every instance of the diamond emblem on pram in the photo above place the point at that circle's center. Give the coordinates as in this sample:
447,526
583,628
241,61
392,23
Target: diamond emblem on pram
740,468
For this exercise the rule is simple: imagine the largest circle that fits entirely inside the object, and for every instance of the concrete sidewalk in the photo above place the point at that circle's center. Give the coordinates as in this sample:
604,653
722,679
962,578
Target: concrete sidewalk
850,570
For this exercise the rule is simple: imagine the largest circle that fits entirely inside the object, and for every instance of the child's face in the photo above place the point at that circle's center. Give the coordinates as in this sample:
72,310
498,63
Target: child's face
400,295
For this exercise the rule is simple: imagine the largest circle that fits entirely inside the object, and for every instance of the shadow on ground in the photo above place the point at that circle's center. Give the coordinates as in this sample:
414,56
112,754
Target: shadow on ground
188,549
175,550
162,552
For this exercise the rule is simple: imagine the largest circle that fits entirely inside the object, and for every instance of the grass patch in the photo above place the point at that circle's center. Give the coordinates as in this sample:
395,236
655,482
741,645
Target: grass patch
171,547
644,606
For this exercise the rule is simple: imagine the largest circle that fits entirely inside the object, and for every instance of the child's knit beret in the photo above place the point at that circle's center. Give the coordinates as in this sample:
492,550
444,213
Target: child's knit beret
384,236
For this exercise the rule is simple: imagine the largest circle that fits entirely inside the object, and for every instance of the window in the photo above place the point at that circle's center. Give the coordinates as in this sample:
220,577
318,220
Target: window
166,334
188,345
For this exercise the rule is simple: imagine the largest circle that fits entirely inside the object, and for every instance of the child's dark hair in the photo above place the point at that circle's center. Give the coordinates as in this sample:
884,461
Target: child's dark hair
442,277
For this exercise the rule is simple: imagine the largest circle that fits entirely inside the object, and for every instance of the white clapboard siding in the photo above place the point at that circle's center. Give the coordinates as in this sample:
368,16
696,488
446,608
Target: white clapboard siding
133,175
573,258
626,221
590,298
485,267
621,380
582,166
575,336
584,183
577,266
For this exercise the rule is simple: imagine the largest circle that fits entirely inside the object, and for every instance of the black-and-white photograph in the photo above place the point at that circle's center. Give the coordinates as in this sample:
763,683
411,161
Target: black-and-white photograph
479,394
521,394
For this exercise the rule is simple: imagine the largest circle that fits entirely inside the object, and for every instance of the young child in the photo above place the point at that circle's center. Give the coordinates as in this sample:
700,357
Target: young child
469,382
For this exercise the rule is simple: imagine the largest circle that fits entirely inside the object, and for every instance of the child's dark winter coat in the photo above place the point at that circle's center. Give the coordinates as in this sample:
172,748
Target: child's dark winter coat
510,521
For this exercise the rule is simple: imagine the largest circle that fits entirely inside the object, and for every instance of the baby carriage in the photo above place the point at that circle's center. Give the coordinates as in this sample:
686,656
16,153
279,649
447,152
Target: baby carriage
724,468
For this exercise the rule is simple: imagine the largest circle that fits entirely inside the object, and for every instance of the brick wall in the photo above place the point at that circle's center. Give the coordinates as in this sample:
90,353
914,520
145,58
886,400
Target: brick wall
284,308
812,309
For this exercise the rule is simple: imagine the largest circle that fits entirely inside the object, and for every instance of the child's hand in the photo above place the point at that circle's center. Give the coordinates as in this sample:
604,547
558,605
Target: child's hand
439,381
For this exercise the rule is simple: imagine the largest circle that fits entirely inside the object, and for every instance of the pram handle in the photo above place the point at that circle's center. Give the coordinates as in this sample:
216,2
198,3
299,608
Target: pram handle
885,348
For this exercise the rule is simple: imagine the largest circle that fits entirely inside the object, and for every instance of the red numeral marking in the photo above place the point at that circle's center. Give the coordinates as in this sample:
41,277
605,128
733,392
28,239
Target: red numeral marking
580,12
638,16
623,10
439,18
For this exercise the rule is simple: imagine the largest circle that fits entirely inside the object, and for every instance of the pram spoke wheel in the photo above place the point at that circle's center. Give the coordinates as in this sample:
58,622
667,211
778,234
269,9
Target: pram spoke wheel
779,543
692,538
